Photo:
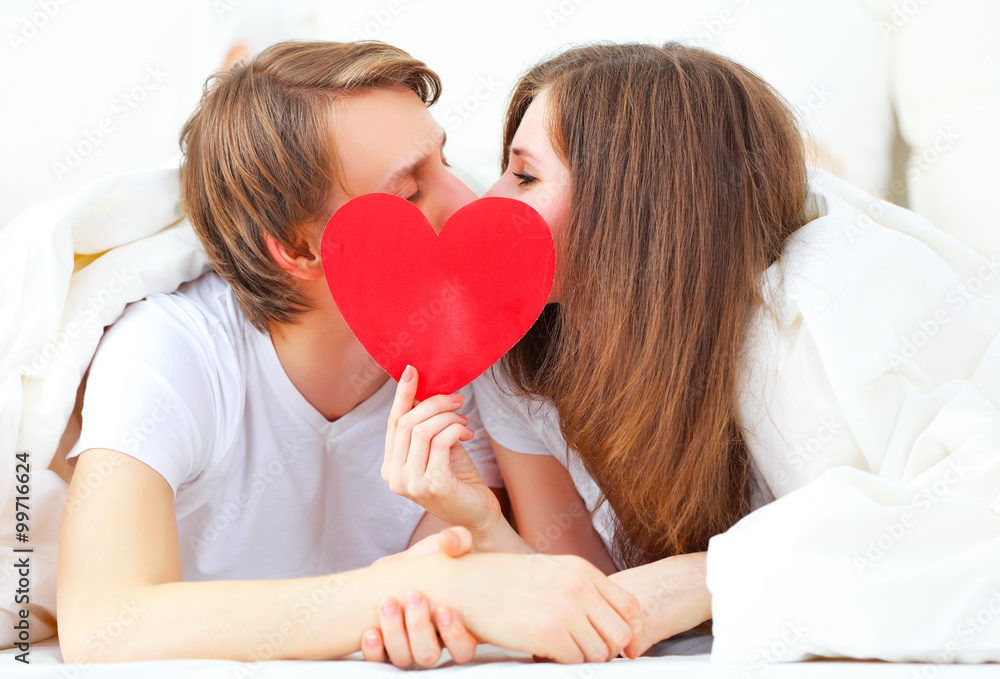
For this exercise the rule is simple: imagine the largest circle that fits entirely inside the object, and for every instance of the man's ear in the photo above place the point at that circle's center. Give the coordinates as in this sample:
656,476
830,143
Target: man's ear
308,266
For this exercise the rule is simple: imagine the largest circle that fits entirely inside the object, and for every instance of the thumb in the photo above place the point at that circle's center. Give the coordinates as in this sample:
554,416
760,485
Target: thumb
408,382
455,541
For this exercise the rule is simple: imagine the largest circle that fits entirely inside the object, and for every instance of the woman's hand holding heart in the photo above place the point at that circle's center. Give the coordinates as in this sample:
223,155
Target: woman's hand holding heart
426,462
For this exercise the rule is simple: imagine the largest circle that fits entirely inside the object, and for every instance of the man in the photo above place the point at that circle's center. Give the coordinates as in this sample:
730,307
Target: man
237,426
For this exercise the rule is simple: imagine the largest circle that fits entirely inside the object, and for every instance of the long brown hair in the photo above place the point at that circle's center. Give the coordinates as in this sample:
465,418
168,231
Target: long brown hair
259,157
687,175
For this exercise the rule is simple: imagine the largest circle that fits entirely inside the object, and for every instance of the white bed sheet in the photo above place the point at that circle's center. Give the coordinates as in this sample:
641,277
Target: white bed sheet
684,657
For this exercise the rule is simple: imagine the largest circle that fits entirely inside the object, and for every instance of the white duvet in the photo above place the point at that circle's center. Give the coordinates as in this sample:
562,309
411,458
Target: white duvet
67,269
873,399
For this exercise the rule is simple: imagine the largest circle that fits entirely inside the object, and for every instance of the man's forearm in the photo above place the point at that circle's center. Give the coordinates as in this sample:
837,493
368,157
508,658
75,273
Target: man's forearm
247,620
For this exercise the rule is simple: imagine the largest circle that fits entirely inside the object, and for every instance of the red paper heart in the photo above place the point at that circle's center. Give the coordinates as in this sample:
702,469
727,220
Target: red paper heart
450,304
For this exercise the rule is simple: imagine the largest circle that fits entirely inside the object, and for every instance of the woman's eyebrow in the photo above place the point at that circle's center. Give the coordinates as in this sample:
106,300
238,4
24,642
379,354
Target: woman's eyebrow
523,153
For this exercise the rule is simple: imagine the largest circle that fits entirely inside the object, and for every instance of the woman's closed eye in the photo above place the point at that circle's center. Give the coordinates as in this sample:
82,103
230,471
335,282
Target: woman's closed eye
526,179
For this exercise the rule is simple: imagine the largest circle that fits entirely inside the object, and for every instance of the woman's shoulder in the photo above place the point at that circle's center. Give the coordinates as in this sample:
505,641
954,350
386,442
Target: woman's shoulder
519,422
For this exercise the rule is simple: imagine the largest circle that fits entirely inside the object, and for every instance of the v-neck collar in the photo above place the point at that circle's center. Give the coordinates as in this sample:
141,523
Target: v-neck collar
298,403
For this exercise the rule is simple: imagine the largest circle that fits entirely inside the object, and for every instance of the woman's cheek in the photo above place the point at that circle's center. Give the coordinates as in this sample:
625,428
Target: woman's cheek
556,215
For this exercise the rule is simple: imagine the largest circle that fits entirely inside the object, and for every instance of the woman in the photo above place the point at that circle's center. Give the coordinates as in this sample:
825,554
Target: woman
727,326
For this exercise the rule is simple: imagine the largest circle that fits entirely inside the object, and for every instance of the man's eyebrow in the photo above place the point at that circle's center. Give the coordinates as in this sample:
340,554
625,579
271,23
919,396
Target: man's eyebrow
402,173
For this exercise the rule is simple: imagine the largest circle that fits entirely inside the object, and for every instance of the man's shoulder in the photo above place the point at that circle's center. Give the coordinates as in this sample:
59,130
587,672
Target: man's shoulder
175,357
199,322
202,310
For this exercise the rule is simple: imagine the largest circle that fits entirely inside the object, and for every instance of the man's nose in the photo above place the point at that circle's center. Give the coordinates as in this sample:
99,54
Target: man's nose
452,195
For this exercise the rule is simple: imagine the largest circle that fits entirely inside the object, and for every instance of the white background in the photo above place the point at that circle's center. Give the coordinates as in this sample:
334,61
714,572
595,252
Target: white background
68,67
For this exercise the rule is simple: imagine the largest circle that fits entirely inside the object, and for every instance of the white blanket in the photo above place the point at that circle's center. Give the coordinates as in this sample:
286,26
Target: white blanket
67,269
873,403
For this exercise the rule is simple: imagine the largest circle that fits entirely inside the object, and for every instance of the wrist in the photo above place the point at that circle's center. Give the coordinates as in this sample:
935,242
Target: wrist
431,574
691,602
440,578
494,534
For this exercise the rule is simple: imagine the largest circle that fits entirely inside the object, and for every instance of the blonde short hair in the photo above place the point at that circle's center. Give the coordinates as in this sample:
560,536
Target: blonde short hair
259,157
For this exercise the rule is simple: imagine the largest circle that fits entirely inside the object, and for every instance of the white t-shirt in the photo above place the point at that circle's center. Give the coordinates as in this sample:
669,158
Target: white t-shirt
871,406
531,427
264,485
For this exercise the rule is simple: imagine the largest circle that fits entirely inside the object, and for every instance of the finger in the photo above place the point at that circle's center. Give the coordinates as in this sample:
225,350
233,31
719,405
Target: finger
639,643
614,632
423,636
627,606
414,416
397,647
563,649
438,469
422,438
555,643
455,541
587,636
459,642
371,646
427,546
439,461
406,392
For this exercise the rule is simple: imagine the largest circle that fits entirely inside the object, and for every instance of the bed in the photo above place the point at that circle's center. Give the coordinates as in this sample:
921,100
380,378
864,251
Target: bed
684,657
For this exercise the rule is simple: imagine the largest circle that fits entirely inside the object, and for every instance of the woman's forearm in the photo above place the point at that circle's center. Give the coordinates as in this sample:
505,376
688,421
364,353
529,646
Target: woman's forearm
499,536
673,594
